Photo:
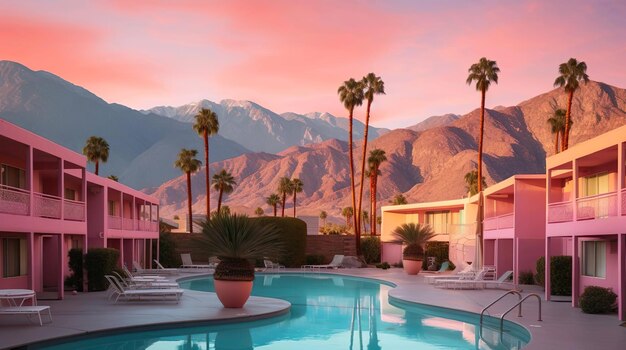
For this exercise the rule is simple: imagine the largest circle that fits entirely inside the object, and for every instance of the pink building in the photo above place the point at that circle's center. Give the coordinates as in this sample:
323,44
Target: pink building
586,214
50,204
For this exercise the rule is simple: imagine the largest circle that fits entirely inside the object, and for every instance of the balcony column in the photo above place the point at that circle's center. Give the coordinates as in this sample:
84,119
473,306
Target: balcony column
575,271
621,276
31,258
61,190
121,213
133,214
84,198
29,178
620,177
575,190
546,275
62,263
105,213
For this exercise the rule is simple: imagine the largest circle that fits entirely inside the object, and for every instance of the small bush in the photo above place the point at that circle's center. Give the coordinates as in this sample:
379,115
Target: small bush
315,259
75,263
370,248
597,300
526,277
167,251
384,265
293,233
439,250
100,262
333,229
560,272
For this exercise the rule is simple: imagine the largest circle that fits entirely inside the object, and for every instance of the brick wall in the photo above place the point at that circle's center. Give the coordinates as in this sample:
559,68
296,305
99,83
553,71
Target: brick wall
329,246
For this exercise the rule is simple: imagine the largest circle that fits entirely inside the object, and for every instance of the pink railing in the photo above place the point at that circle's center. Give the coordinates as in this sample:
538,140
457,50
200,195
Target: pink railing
14,200
499,222
73,210
560,212
115,222
46,206
624,201
598,206
128,224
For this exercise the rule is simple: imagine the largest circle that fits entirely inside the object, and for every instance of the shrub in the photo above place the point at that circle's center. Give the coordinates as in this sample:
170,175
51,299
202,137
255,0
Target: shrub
315,259
597,300
100,262
526,277
370,248
384,265
293,233
167,250
333,229
75,263
440,251
560,272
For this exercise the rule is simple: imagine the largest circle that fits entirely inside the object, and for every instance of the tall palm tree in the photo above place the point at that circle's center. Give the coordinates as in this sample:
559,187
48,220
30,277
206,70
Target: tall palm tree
323,216
377,156
273,201
347,212
188,164
114,178
206,125
571,73
471,182
223,182
96,150
259,211
296,187
557,126
285,187
351,95
365,217
398,199
483,73
372,85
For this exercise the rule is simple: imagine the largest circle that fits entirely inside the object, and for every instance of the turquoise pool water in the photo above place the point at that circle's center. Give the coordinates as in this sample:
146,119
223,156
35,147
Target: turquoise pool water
328,312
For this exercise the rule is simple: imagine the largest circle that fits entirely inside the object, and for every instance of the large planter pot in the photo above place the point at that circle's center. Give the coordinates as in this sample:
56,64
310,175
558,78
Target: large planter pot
233,294
412,267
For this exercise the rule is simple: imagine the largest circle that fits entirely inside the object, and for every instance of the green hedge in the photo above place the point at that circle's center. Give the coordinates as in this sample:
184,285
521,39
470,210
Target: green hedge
75,263
440,250
560,274
293,233
597,300
100,262
168,257
370,248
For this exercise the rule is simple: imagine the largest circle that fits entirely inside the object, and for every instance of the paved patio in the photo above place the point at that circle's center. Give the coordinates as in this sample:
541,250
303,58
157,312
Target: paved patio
563,327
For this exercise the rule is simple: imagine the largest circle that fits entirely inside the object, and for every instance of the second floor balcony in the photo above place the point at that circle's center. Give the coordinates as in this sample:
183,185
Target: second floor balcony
499,222
17,201
119,223
588,208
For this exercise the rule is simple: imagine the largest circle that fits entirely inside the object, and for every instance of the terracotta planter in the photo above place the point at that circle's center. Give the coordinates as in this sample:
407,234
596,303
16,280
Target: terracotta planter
233,294
412,267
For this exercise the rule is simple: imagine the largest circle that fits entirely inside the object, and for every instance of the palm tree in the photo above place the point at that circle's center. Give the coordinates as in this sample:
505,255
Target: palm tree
365,217
557,126
414,236
323,216
347,212
285,187
377,156
296,187
114,178
259,211
273,201
398,199
373,85
351,95
223,182
188,163
571,73
471,182
206,125
96,150
224,210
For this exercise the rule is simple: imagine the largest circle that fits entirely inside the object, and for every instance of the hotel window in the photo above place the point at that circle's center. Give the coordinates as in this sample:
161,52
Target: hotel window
596,184
438,220
70,194
594,259
14,253
112,207
12,176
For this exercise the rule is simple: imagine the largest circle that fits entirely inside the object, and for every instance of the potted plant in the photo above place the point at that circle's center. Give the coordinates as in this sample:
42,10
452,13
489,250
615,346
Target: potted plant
236,240
413,237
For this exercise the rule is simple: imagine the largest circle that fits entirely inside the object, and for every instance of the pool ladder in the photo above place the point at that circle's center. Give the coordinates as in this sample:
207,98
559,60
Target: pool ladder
518,305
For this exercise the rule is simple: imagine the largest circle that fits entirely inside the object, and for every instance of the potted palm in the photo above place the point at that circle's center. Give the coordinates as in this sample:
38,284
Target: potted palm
236,240
413,237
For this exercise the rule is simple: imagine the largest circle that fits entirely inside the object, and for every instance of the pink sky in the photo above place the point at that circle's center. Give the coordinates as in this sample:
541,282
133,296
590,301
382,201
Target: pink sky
291,56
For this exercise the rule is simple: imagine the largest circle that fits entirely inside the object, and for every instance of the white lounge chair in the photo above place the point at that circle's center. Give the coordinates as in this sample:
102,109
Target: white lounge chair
487,273
161,294
269,264
27,310
165,270
465,273
144,284
158,271
443,268
334,264
188,263
503,280
141,276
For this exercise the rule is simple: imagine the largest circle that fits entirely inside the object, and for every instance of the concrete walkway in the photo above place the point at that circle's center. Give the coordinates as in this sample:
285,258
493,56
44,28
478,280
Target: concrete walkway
563,327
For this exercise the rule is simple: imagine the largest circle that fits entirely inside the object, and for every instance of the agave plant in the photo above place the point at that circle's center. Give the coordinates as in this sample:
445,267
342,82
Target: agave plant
414,236
236,240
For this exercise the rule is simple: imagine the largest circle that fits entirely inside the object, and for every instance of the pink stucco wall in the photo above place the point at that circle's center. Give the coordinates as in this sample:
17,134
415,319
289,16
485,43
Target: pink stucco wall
391,253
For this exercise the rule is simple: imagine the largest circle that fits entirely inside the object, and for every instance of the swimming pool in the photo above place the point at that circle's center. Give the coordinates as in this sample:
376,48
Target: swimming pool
328,312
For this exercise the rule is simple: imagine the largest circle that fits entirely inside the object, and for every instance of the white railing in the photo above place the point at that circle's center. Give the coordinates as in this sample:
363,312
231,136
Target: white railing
598,206
499,222
560,212
624,201
46,206
115,222
73,210
14,200
128,224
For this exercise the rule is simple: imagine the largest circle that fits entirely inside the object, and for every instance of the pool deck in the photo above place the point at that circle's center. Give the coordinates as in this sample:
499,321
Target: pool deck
563,327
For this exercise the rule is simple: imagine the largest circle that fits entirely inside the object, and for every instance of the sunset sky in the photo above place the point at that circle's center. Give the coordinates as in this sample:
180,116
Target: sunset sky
291,56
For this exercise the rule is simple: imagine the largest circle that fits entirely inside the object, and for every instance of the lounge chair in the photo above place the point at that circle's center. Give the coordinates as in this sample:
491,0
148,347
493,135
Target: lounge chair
334,264
165,270
269,264
214,261
188,263
464,273
158,271
487,273
503,280
141,276
443,268
120,292
144,284
27,310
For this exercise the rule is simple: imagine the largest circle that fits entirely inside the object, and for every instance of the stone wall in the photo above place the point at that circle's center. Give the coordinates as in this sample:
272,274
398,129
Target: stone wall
329,246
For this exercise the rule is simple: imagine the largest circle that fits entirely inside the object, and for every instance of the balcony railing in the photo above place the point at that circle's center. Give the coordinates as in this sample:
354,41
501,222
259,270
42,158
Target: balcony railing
46,206
128,224
499,222
115,222
560,212
73,210
14,200
598,206
119,223
624,201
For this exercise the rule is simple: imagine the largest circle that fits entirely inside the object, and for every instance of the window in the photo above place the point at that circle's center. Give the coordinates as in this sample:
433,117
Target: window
596,184
70,194
14,252
112,206
12,176
438,220
594,259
